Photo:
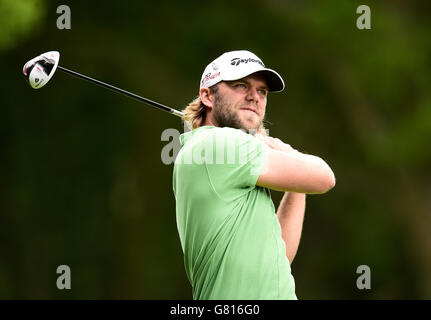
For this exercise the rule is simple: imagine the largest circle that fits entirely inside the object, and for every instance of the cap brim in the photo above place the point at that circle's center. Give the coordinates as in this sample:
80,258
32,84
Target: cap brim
273,79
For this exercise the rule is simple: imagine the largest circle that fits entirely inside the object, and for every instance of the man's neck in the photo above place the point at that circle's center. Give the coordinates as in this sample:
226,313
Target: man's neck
209,122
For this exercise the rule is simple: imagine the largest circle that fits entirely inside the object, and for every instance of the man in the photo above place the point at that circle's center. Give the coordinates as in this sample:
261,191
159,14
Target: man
235,245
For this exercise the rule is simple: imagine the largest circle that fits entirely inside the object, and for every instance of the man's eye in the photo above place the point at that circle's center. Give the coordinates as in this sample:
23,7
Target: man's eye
263,92
240,85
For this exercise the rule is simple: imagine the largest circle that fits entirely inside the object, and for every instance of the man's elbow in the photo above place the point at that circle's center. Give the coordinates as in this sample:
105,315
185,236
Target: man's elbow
331,181
324,178
321,182
327,182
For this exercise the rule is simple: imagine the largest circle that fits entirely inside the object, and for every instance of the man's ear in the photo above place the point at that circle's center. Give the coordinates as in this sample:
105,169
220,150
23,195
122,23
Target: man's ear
207,97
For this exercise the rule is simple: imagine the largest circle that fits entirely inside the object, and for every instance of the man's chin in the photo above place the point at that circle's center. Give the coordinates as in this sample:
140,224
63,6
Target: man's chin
247,124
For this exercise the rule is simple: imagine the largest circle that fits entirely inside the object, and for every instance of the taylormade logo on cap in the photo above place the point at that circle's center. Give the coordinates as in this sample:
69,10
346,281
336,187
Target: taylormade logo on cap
237,61
235,65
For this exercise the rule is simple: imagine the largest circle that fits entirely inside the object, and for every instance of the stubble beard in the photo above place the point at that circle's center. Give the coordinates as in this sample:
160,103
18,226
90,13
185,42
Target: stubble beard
226,116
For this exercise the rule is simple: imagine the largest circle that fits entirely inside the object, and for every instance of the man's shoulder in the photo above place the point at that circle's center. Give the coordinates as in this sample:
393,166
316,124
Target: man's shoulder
203,134
228,132
212,144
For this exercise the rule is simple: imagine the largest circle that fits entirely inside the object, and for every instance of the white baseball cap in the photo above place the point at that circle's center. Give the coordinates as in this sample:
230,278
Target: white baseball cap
235,65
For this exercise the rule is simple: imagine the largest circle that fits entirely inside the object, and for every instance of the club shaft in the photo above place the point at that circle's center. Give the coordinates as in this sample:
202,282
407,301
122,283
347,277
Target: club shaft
124,92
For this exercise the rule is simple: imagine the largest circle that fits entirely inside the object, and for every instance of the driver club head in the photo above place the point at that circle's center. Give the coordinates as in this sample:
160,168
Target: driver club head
38,71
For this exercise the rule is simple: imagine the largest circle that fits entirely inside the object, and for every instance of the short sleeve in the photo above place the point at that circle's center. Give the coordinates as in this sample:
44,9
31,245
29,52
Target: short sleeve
237,161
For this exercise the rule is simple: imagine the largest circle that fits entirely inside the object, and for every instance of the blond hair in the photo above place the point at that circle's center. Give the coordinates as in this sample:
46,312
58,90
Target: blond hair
196,112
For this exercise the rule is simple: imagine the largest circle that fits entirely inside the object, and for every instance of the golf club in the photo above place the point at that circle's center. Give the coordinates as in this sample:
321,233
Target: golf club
38,71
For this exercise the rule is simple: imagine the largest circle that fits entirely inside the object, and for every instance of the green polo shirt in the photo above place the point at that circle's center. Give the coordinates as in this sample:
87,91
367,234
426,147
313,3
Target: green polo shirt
229,232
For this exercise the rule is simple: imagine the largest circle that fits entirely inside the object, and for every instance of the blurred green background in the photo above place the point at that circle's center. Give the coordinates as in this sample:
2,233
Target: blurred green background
82,181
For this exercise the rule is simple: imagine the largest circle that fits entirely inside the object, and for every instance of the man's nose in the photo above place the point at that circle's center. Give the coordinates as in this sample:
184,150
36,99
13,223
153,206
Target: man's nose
252,94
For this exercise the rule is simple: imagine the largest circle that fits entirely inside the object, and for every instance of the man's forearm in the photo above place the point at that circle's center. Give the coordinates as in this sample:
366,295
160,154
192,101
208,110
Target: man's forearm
290,214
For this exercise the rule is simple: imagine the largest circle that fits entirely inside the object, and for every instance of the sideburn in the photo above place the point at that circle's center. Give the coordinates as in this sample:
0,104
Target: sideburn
223,115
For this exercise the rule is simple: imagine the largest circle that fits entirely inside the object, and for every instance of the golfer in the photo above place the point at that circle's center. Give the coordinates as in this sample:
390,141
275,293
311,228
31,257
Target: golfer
235,244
